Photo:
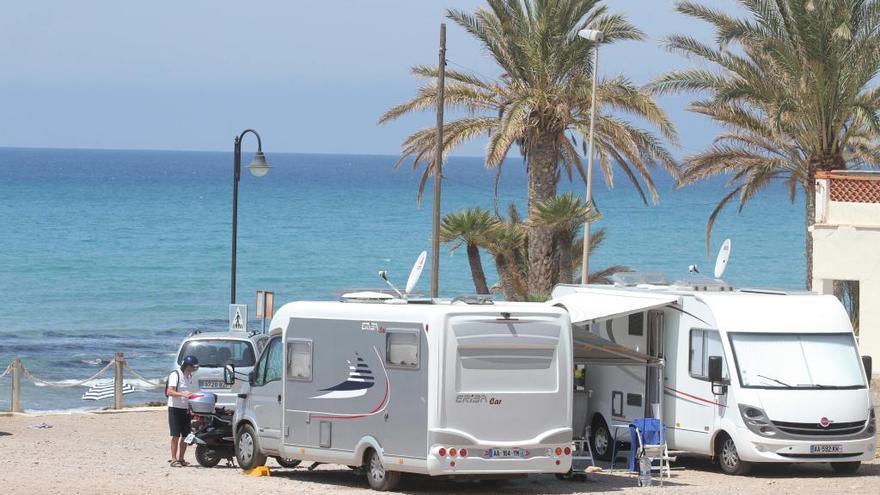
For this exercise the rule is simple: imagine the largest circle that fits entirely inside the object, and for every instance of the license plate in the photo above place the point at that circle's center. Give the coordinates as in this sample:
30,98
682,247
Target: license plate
502,453
190,439
826,449
213,384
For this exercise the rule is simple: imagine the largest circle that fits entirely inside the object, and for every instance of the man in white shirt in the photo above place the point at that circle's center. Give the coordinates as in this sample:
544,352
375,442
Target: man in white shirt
179,389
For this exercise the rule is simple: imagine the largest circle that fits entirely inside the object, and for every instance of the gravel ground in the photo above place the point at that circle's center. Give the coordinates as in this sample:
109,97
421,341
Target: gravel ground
127,452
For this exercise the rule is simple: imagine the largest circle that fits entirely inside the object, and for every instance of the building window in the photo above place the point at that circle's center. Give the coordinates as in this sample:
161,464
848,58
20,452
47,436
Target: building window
637,324
299,360
402,349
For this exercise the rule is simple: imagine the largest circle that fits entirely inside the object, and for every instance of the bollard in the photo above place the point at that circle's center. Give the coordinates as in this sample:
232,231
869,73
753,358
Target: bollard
16,385
118,362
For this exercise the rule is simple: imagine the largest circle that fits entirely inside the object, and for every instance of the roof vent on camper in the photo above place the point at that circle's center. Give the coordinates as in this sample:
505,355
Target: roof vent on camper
366,296
704,284
632,279
473,299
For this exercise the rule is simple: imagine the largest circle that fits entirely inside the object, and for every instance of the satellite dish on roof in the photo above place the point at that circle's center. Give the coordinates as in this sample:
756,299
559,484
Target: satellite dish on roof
416,272
723,256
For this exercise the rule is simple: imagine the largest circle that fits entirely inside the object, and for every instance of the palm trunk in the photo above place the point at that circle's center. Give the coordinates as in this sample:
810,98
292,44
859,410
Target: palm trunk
810,200
477,273
508,286
565,262
542,176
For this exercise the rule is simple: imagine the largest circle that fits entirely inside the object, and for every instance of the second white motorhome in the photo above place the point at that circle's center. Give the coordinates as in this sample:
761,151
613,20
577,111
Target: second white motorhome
440,389
744,376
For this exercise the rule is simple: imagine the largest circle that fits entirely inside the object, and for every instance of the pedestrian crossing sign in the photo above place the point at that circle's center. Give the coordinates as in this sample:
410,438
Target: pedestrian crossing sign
238,317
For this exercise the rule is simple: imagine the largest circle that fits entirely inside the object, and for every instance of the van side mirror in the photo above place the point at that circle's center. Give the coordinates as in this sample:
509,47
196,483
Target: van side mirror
229,374
716,375
866,362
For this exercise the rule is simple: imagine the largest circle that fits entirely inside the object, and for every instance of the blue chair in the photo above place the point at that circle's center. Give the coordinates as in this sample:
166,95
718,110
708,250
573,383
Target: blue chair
648,439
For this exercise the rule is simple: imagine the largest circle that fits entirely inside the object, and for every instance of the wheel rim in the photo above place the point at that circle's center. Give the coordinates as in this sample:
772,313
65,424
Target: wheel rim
246,448
377,471
210,456
601,441
728,454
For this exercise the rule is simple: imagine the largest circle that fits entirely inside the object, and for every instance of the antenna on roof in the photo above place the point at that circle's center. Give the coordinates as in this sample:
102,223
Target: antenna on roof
723,257
413,279
384,276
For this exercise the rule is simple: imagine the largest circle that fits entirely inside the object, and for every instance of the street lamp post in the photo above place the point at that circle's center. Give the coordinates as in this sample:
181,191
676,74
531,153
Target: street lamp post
258,168
596,37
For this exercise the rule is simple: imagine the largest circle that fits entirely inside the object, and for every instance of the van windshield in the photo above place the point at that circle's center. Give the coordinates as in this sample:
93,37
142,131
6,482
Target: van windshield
781,361
216,353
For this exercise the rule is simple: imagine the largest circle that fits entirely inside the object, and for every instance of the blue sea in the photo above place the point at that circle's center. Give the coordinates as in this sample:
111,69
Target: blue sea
104,251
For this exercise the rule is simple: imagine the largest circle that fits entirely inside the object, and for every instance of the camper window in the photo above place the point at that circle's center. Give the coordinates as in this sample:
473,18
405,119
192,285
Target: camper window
637,324
402,349
705,343
299,360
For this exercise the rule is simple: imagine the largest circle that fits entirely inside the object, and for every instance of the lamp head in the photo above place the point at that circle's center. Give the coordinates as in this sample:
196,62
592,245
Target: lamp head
259,167
593,35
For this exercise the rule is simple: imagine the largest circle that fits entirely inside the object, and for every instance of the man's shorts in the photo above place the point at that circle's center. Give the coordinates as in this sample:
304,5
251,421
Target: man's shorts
179,421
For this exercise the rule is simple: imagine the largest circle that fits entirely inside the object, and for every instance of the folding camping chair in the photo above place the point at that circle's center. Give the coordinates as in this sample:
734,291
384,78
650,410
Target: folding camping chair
648,436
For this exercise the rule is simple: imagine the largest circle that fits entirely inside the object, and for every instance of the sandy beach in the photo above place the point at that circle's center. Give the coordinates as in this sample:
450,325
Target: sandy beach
88,453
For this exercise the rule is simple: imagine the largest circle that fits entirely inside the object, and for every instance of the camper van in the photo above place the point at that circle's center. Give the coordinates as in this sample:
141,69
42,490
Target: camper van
464,388
744,376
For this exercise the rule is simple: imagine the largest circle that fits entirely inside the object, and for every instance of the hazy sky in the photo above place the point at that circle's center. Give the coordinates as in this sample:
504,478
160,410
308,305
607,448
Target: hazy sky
310,76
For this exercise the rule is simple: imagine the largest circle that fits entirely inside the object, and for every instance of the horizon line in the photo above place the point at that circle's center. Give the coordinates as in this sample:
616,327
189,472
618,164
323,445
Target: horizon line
159,150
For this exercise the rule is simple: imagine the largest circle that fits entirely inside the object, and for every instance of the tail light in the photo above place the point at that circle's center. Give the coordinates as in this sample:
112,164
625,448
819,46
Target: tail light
452,452
462,452
568,451
442,452
558,451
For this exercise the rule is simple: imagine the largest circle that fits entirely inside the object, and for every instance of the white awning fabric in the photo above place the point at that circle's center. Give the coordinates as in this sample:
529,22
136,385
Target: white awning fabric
584,307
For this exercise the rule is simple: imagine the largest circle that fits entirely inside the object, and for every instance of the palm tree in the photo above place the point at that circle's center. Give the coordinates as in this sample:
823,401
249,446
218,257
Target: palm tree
792,86
541,103
470,227
508,242
564,215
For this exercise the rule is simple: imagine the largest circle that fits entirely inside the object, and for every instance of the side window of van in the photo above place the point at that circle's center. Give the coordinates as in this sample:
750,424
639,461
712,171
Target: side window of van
299,360
705,343
260,370
273,361
402,349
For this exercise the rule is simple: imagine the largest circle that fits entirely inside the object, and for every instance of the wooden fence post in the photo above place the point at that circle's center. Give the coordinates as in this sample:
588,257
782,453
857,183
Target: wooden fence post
118,362
16,385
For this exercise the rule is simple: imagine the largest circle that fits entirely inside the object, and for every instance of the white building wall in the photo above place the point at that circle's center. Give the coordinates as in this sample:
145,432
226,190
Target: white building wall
846,246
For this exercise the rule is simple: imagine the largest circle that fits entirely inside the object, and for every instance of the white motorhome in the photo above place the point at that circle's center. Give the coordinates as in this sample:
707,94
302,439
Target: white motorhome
439,389
744,376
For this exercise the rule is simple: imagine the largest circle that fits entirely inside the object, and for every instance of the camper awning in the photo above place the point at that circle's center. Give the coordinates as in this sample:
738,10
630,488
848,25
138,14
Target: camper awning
590,348
600,305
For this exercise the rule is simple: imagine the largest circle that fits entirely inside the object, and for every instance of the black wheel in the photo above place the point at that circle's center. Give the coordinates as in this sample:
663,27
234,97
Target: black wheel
846,467
378,477
600,440
206,457
247,449
287,463
728,457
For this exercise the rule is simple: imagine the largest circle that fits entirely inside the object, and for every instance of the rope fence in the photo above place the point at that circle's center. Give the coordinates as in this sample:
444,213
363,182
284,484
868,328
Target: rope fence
118,364
8,369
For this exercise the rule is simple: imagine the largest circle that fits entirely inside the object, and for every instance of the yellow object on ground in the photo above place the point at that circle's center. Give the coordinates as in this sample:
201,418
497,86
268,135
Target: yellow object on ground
258,471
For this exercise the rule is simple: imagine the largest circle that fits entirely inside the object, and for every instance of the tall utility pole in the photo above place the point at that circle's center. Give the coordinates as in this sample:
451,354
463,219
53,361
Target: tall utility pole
597,37
438,166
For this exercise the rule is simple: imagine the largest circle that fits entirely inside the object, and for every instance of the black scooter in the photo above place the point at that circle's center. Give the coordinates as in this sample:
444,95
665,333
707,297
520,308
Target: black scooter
212,434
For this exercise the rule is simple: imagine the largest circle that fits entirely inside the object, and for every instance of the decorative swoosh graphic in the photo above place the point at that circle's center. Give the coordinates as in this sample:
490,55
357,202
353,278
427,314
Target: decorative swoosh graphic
360,379
376,410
